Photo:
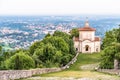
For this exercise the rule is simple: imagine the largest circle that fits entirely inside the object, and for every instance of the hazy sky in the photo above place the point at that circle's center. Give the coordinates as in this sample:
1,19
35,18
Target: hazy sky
59,7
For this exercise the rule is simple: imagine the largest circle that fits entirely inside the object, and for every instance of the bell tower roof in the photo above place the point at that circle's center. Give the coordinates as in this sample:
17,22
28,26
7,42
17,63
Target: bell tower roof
87,26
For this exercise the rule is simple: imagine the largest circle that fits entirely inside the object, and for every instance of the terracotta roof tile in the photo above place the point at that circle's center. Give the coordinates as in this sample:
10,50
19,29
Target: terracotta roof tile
97,38
87,29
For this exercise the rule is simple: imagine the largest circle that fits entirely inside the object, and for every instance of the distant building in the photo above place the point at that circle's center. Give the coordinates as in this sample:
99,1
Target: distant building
87,42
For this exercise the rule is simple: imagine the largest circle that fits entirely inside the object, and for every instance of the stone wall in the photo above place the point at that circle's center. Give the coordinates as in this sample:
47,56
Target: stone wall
17,74
110,71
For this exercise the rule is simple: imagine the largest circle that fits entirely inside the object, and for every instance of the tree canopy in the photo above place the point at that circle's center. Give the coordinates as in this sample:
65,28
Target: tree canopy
74,32
19,61
111,49
53,51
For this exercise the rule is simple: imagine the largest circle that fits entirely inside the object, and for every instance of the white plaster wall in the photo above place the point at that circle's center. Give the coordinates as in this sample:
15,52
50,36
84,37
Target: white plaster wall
86,35
97,45
80,48
76,45
92,46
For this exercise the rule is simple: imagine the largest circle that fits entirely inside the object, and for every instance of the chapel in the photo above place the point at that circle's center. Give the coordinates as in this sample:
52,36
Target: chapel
87,42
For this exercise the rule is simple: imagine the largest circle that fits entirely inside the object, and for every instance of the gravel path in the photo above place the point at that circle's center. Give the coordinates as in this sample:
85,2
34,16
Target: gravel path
90,66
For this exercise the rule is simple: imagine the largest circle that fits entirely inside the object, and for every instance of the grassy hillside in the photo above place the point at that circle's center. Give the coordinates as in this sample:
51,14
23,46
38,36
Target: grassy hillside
75,70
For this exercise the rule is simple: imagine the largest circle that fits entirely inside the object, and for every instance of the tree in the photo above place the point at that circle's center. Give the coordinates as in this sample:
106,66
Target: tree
71,47
38,57
6,55
111,49
74,32
34,46
53,51
1,57
19,61
45,55
107,58
0,49
109,38
58,56
118,35
48,35
111,56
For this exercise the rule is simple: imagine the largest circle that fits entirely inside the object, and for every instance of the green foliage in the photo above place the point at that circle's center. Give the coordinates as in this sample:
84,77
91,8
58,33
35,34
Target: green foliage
0,49
19,61
109,38
117,56
58,42
58,56
53,51
111,47
107,58
48,35
118,35
61,34
74,32
67,39
35,46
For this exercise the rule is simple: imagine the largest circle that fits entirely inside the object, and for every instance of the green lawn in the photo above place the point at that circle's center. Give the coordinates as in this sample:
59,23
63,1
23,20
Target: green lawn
84,59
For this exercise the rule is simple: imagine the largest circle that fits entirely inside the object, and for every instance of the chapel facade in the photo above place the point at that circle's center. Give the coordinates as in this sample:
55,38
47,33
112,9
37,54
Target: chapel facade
87,42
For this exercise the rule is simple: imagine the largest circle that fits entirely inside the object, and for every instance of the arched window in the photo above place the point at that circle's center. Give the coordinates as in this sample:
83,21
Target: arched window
86,48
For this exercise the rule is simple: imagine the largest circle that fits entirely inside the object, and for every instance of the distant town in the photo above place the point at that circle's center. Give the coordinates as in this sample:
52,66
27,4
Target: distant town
12,38
21,32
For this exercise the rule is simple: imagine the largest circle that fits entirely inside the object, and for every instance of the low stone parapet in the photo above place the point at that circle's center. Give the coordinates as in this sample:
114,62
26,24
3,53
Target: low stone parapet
17,74
110,71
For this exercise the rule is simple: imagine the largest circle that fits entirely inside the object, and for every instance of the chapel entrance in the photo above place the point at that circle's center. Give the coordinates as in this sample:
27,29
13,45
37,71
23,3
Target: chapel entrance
86,48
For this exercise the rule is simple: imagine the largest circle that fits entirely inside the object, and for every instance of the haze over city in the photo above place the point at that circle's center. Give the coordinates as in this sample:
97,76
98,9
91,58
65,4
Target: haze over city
59,7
